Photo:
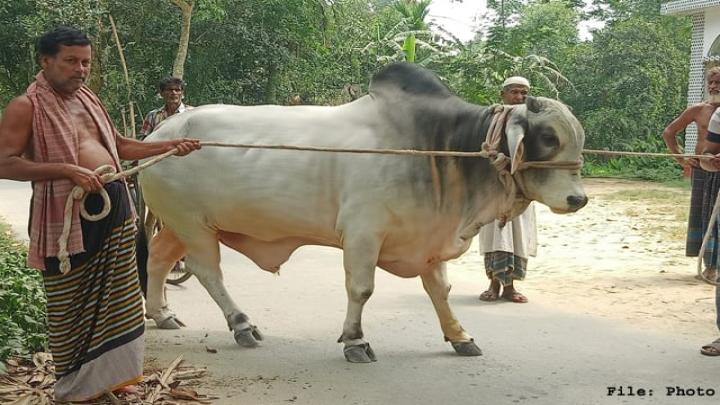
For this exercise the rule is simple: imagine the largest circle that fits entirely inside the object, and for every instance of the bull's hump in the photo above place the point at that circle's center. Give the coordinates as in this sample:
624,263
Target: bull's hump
407,78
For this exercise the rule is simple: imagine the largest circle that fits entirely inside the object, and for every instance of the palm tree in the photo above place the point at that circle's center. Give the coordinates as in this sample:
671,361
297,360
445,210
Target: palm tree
414,12
410,34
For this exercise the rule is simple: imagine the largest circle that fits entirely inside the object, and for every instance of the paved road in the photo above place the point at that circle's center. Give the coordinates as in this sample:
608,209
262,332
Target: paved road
532,354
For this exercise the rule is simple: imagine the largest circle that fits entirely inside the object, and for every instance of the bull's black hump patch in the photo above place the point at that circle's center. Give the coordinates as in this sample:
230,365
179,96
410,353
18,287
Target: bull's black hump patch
409,78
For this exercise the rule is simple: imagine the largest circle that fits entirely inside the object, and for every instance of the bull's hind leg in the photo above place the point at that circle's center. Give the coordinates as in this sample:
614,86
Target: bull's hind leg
360,257
203,260
437,286
165,250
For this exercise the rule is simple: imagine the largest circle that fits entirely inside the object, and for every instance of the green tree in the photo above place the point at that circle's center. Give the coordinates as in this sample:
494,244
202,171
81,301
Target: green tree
631,82
542,37
614,10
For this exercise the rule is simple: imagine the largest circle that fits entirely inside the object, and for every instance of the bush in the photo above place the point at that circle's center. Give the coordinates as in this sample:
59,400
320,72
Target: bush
23,326
660,169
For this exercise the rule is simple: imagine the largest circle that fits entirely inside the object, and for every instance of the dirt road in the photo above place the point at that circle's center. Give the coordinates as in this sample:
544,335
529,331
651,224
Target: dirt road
613,305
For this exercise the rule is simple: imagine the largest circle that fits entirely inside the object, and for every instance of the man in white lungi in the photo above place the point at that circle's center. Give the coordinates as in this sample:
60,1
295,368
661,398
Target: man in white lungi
507,248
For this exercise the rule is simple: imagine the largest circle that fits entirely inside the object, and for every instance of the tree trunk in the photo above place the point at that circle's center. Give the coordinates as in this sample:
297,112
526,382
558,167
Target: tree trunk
128,131
95,81
186,8
99,46
271,85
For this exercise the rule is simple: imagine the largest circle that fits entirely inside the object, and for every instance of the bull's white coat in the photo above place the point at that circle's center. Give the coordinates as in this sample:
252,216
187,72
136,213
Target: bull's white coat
266,203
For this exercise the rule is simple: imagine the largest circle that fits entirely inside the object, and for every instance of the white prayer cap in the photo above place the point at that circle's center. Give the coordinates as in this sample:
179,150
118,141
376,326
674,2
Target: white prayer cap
516,80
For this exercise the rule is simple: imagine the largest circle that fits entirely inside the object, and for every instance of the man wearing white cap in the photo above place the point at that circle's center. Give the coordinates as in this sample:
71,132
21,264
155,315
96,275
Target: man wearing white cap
507,249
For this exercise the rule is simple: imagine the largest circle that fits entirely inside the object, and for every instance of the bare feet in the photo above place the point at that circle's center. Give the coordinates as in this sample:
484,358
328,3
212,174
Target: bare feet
492,293
128,389
125,394
707,275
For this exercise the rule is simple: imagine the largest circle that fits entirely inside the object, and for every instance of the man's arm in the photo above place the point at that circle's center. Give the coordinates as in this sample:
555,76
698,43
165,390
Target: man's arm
677,125
15,136
131,149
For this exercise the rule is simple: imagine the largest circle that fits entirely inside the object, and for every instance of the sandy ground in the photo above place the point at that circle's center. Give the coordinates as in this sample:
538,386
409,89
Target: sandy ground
613,303
621,257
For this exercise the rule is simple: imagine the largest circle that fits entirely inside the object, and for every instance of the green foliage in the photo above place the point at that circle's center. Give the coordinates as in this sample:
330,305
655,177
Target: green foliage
646,168
23,326
413,12
630,82
542,35
625,84
611,10
409,48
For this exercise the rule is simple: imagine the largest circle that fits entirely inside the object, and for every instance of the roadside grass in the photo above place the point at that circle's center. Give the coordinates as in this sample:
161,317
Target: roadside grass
23,327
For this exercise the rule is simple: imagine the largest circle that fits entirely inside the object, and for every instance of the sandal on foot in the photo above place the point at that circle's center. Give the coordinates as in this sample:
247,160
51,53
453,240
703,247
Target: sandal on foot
516,297
489,295
711,349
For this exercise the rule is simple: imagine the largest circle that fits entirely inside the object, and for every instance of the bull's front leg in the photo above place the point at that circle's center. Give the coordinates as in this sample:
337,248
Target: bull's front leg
437,286
203,260
359,259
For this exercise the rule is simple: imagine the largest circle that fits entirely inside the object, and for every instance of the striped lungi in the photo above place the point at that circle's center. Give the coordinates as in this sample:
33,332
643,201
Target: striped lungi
95,311
711,186
696,222
505,267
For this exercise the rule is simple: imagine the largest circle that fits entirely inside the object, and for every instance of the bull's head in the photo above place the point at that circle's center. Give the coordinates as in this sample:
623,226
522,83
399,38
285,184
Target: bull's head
544,130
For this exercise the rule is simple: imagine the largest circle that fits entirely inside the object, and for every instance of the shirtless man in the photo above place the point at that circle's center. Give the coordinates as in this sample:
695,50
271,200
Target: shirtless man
56,135
67,72
703,194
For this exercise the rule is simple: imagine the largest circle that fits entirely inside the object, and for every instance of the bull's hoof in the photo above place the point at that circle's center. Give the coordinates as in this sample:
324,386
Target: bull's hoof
256,333
169,323
362,353
248,337
466,348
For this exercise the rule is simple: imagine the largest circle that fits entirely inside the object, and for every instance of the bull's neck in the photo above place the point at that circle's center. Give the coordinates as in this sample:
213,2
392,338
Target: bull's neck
484,195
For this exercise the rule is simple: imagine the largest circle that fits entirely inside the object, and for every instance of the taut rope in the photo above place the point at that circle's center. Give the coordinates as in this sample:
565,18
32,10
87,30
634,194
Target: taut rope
649,154
490,150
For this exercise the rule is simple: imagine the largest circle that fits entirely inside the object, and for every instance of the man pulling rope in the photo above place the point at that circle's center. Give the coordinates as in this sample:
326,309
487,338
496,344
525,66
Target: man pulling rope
56,135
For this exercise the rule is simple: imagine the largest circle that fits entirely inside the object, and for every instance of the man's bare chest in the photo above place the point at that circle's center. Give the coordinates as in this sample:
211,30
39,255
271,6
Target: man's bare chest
87,129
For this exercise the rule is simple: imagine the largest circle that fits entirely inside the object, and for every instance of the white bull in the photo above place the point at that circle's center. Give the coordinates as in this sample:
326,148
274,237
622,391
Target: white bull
406,215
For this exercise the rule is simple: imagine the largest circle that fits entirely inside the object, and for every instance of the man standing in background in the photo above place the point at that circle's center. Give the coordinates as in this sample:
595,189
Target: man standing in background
704,184
172,91
507,248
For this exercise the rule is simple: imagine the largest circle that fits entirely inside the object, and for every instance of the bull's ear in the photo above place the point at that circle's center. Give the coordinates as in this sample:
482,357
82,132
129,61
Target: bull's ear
515,133
534,105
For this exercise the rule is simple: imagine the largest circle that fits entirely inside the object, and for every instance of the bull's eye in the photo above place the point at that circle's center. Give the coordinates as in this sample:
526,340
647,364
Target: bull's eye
549,140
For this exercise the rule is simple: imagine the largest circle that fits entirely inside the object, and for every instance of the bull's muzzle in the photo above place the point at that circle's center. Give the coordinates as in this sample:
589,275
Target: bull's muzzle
575,202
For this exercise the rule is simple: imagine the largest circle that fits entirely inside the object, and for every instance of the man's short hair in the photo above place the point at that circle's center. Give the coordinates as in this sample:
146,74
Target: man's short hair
49,43
712,71
170,81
